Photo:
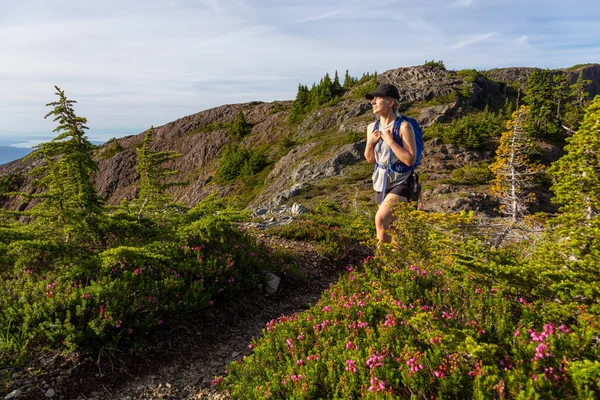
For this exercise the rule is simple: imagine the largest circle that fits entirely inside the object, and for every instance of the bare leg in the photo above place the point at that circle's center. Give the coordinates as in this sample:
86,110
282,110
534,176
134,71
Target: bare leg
384,217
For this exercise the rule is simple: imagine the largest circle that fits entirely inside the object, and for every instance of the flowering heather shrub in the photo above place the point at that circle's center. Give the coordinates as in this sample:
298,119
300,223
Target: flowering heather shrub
121,294
420,322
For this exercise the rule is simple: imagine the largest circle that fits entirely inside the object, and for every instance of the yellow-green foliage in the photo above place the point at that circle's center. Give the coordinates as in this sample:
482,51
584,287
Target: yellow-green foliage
514,167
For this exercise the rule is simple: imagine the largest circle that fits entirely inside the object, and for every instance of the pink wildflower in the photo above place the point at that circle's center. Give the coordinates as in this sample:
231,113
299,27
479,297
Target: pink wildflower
351,345
376,385
351,366
376,360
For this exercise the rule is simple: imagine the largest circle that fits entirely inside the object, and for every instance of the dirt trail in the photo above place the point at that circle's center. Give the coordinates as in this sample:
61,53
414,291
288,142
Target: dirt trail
183,363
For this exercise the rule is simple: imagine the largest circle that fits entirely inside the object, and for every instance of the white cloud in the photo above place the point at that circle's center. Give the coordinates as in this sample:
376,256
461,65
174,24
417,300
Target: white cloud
462,3
472,40
317,17
524,39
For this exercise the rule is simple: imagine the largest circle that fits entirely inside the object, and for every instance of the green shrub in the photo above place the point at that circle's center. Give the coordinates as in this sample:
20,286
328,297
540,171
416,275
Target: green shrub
472,174
332,230
353,136
443,99
444,315
360,91
469,75
435,64
66,298
112,148
237,161
470,131
240,127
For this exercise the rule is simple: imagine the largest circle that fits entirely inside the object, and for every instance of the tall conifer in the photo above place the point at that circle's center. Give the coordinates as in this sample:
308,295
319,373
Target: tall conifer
152,200
69,199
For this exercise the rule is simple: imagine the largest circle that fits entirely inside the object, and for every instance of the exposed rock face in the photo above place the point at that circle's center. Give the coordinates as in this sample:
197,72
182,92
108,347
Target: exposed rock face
306,172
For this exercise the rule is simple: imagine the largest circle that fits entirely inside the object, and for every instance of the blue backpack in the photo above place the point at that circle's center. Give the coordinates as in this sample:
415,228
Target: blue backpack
400,166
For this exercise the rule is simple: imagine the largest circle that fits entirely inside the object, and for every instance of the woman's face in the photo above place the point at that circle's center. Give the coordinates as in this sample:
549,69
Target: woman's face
381,105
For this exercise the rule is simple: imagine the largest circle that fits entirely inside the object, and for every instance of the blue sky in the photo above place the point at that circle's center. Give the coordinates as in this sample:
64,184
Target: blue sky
133,64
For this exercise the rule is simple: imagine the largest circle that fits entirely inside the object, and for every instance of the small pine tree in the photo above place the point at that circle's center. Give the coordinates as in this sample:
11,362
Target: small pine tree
240,127
152,200
349,81
574,109
70,200
514,168
578,90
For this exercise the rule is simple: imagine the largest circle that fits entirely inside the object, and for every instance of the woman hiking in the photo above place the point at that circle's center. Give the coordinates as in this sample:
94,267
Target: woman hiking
393,178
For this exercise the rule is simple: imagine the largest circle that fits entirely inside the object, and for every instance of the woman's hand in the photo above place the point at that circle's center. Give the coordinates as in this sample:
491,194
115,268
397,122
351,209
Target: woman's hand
388,137
374,138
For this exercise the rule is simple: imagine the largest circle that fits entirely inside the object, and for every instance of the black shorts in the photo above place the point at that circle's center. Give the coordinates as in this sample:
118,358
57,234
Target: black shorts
404,189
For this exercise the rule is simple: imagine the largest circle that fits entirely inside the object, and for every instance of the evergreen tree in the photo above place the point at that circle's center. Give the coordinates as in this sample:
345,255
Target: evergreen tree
578,90
349,81
577,173
337,88
240,127
574,110
561,94
514,168
70,201
540,98
572,249
300,104
152,200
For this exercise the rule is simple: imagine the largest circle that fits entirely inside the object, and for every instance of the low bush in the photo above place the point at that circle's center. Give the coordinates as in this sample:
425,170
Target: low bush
112,148
427,320
471,174
470,131
58,295
332,231
237,161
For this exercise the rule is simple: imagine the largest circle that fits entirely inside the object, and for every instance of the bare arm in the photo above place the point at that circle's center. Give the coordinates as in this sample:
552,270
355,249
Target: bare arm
406,152
372,139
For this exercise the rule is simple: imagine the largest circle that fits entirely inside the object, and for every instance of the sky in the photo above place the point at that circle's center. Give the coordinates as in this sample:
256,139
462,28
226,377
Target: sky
131,64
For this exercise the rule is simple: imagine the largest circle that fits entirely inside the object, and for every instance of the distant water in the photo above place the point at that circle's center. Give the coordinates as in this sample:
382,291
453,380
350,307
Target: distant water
9,153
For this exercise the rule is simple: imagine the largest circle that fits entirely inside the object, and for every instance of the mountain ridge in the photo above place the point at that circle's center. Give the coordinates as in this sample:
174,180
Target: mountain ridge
427,93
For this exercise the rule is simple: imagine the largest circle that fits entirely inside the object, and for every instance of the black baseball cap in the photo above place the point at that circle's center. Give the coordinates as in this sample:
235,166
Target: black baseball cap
385,89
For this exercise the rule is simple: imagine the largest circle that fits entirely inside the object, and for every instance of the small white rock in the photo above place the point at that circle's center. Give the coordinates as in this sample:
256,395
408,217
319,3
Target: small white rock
272,283
49,393
13,395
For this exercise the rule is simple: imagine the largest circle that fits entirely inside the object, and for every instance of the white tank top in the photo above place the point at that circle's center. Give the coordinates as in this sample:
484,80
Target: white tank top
382,157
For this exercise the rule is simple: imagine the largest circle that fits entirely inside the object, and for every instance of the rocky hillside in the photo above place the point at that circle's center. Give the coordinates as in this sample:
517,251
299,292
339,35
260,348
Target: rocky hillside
320,156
